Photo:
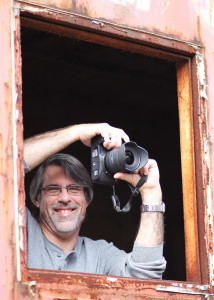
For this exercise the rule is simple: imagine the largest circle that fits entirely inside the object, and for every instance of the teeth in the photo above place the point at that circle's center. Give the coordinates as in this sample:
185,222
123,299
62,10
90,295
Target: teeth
64,210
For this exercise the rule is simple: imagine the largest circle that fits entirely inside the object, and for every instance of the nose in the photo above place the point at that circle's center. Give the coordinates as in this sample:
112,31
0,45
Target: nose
64,196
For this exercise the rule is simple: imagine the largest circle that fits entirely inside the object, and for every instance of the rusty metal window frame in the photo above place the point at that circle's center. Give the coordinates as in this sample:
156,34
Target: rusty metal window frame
192,119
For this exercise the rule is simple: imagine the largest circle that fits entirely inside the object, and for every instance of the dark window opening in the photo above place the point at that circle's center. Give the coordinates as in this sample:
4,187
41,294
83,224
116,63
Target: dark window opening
68,81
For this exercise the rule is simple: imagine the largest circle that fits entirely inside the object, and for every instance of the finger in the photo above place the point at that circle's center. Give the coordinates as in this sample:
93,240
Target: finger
144,170
151,164
107,137
130,178
115,138
122,176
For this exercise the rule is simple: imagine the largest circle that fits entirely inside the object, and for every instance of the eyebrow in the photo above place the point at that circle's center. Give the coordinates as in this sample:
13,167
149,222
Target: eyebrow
56,185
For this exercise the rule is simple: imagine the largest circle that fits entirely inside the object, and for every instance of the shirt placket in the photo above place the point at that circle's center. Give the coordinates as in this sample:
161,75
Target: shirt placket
60,261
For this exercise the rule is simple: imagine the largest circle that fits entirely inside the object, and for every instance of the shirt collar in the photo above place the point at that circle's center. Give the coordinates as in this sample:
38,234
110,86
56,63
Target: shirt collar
52,247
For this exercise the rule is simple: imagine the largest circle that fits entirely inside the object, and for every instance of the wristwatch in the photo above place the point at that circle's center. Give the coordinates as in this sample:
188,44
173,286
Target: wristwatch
153,208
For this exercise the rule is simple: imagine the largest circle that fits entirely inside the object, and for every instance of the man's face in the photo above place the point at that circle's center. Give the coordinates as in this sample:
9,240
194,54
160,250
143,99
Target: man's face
61,214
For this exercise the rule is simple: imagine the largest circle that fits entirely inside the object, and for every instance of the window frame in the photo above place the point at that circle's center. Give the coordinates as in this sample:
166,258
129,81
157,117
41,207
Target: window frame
193,130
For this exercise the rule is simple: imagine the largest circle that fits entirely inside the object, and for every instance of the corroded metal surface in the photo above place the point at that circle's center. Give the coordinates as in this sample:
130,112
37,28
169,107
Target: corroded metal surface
188,171
7,229
154,16
66,286
11,170
158,24
163,18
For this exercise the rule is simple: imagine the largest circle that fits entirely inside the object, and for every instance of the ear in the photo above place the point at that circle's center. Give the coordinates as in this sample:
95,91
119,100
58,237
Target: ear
36,203
88,202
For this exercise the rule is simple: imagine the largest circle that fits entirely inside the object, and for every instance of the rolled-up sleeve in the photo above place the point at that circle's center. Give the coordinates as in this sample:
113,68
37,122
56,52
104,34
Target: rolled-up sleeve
142,262
147,262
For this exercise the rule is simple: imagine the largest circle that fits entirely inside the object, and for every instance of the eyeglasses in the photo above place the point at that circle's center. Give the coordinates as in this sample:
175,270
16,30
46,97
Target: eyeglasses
55,190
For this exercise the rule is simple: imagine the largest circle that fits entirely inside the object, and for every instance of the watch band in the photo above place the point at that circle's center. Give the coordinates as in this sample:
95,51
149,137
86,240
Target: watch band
153,208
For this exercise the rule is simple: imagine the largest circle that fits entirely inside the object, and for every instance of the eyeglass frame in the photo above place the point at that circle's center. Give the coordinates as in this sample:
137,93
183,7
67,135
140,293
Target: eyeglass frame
60,188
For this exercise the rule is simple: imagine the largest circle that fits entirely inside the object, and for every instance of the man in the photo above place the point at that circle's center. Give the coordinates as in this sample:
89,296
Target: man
62,191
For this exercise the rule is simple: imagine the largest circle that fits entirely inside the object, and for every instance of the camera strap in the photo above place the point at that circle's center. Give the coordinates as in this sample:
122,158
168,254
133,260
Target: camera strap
135,192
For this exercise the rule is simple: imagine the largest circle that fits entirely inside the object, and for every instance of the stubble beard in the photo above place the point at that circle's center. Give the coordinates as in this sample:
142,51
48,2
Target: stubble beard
68,223
63,224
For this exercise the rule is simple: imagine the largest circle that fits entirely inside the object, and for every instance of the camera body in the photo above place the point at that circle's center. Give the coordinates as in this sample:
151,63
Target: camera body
105,163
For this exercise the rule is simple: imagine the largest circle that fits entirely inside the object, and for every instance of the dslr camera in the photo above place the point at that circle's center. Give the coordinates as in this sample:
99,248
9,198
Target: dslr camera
105,163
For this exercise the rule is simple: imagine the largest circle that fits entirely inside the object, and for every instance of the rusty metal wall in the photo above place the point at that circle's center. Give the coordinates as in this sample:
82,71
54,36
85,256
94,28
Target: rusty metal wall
7,228
191,21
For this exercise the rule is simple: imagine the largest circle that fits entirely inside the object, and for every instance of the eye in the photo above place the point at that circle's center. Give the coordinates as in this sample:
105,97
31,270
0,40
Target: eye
74,189
53,190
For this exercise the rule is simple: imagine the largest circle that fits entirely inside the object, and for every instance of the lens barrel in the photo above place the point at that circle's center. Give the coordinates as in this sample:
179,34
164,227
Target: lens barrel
128,158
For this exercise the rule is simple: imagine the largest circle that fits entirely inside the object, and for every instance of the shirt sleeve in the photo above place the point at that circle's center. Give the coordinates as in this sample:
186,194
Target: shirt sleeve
26,168
142,262
147,261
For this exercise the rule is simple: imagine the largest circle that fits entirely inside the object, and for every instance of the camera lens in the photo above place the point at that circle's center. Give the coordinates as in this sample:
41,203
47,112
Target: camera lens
129,157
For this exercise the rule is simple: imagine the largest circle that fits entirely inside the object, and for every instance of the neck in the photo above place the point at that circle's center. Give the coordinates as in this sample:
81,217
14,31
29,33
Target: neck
65,241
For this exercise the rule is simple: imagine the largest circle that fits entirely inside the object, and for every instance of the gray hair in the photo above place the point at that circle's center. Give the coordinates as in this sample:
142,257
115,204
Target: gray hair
72,167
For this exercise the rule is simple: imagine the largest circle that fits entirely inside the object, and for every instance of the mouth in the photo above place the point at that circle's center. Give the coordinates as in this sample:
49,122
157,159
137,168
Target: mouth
64,212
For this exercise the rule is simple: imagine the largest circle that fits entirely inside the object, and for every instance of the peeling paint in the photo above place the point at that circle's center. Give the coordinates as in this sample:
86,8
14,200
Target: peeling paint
14,138
205,9
201,75
21,237
180,289
16,12
101,24
209,237
29,288
17,115
202,287
206,144
31,8
111,279
37,9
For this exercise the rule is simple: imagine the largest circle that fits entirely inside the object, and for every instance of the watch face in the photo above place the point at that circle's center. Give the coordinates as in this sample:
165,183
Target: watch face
153,208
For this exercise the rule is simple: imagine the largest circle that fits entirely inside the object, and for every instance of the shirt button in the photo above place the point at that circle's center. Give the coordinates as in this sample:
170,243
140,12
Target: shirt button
58,254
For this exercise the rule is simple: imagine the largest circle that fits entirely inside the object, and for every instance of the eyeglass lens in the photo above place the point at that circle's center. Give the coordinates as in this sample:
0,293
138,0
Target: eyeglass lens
56,190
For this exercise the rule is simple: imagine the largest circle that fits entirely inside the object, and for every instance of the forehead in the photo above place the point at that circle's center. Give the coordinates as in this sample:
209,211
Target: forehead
56,175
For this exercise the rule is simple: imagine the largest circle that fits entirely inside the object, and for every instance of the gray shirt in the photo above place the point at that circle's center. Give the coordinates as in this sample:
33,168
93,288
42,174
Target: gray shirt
90,256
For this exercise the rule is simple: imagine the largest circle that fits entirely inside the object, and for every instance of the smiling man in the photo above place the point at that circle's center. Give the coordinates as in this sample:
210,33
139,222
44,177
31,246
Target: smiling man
62,191
58,214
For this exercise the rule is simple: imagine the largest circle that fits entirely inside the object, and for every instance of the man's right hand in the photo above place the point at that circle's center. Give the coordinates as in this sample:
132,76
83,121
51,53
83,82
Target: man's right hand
41,146
113,137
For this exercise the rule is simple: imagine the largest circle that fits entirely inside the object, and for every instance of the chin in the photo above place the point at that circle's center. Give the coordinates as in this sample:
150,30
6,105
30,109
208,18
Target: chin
68,226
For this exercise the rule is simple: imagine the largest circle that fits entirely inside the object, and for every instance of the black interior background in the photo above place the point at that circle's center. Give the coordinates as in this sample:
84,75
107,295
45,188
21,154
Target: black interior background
68,81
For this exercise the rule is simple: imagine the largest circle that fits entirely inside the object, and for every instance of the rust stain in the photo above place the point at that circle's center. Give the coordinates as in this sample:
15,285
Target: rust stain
28,289
206,168
142,15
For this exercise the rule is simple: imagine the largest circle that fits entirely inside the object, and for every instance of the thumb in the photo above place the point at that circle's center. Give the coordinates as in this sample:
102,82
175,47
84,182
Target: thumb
126,177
